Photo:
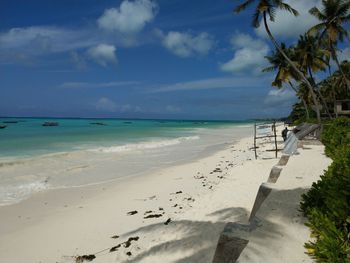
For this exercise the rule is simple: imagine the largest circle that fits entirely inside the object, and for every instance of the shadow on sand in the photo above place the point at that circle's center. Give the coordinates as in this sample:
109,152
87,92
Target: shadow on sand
195,241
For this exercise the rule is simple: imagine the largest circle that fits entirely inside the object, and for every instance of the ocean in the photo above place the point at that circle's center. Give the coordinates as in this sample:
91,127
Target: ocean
81,152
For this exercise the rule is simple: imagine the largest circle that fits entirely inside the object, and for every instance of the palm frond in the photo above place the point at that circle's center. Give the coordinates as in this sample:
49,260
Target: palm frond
316,29
317,13
269,69
243,6
346,18
288,8
272,14
256,19
343,9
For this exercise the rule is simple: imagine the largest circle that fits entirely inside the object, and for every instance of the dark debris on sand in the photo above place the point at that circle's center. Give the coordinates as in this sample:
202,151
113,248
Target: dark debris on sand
128,242
132,213
153,216
88,258
115,248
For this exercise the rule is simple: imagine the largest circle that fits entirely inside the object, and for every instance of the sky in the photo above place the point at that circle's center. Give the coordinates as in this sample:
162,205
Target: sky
172,59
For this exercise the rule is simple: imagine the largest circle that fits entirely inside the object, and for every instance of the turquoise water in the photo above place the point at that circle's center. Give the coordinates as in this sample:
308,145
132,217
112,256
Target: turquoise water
28,137
76,153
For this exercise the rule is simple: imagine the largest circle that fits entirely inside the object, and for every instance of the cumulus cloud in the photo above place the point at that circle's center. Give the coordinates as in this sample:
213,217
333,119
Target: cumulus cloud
279,97
184,44
172,109
287,25
130,17
103,54
41,39
129,108
105,104
27,44
249,54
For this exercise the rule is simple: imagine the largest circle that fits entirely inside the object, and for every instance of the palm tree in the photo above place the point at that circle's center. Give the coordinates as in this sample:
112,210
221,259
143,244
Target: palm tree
285,73
332,17
267,8
312,57
334,87
304,95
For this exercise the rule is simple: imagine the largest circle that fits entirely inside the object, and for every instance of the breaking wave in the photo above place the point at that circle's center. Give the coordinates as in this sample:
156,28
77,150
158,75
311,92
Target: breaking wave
145,145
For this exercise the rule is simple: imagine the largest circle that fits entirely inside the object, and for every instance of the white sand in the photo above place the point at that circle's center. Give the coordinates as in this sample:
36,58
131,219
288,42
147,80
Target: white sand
283,233
57,225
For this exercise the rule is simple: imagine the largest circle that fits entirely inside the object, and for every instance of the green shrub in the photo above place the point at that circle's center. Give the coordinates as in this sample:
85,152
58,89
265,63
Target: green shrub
327,203
335,134
331,194
331,243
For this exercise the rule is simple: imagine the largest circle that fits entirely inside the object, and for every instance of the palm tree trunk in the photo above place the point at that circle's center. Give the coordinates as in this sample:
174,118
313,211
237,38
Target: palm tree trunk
334,100
319,93
304,102
306,109
301,75
335,57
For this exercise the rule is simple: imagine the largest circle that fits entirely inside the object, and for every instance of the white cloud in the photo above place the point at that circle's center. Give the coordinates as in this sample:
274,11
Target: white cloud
185,44
103,54
105,104
130,17
249,55
26,44
278,97
172,109
41,39
129,108
286,25
214,83
78,85
344,54
108,105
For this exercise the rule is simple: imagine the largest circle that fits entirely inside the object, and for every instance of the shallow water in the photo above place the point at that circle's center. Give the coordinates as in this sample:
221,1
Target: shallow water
77,153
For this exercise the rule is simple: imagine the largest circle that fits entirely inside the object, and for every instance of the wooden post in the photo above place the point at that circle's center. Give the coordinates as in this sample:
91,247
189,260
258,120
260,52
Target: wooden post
256,156
274,131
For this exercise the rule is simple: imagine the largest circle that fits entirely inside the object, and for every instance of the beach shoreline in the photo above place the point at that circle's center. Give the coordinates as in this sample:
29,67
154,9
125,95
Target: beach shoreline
23,177
174,214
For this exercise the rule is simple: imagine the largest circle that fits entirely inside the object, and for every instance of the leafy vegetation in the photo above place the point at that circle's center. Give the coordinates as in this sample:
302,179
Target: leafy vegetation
300,67
327,204
336,135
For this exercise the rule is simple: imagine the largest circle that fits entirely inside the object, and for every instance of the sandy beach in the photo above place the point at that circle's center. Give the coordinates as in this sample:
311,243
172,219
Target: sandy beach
159,131
175,214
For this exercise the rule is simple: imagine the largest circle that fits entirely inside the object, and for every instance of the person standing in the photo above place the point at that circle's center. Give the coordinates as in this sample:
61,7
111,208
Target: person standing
284,133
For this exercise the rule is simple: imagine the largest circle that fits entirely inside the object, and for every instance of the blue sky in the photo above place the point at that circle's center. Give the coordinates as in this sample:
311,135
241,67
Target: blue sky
141,58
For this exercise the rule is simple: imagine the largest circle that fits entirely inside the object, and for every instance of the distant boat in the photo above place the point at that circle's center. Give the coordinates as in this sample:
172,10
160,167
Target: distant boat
46,124
3,126
10,122
98,123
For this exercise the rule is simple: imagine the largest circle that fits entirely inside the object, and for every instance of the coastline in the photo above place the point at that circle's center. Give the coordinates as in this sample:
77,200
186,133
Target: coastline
199,197
22,177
